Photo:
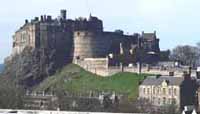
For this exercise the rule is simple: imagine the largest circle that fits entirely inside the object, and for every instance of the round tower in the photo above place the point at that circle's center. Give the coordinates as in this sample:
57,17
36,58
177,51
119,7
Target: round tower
89,45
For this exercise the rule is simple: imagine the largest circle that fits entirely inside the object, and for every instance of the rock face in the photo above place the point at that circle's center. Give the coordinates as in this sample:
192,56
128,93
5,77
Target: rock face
32,66
1,67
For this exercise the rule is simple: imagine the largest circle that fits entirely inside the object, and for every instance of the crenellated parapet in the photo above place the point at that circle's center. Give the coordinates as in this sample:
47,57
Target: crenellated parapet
92,24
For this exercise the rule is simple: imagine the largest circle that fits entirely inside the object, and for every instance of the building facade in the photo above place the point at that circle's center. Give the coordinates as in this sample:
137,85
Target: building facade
161,90
167,90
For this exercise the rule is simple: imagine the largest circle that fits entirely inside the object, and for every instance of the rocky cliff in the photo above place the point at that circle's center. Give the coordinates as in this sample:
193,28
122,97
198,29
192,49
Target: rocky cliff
32,66
1,67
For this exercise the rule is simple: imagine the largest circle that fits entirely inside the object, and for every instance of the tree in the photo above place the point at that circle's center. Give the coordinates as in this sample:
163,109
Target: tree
11,97
187,55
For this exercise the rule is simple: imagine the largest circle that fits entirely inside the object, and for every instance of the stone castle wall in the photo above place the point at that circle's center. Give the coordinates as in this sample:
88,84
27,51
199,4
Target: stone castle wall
100,67
89,44
57,42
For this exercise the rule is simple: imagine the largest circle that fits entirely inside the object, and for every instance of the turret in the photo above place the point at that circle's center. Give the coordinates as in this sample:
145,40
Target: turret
63,14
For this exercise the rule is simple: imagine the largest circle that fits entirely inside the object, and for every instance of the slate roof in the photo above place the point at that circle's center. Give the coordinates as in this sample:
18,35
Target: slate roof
153,80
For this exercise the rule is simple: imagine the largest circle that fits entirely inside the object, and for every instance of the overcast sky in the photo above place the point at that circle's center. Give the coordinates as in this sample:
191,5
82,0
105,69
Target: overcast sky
177,22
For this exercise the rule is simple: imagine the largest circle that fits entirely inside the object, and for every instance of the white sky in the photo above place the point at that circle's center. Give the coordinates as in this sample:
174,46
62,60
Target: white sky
177,22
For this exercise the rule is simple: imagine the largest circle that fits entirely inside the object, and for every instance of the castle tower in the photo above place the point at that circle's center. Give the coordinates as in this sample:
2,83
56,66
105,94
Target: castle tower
88,44
63,14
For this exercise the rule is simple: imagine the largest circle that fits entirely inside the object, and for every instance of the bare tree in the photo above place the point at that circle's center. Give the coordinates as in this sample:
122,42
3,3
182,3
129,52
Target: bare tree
187,55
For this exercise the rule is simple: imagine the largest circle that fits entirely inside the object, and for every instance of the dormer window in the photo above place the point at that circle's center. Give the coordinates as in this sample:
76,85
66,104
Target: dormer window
165,83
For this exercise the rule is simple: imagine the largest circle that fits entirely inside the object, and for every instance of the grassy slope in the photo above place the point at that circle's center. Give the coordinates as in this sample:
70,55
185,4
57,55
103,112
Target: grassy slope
74,78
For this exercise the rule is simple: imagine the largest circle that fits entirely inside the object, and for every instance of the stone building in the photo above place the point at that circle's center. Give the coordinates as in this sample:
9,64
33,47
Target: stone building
80,38
161,90
165,90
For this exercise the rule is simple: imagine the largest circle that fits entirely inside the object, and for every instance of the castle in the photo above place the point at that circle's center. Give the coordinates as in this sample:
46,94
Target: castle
80,39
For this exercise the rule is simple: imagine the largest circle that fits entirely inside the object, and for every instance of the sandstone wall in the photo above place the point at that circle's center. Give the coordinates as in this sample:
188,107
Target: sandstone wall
90,45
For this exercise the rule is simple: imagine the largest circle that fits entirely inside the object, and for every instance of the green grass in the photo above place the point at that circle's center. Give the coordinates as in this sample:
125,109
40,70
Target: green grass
75,79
